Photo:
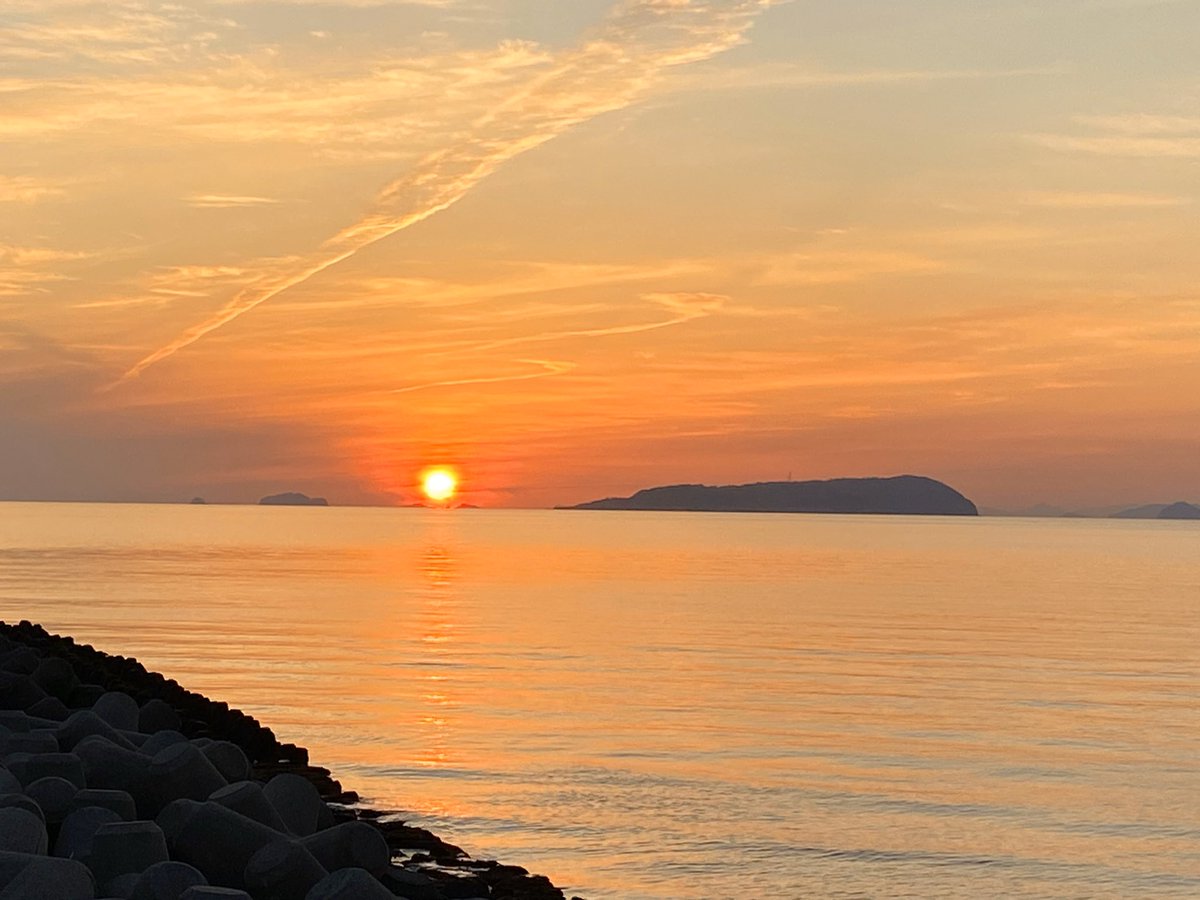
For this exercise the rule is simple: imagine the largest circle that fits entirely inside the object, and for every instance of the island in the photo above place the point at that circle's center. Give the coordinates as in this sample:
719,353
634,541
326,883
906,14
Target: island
912,495
1180,510
292,498
1149,511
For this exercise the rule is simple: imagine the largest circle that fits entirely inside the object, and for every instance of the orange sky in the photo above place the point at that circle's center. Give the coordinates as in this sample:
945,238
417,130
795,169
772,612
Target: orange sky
580,249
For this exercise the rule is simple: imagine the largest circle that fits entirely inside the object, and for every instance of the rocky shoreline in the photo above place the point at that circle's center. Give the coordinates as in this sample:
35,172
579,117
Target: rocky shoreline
117,782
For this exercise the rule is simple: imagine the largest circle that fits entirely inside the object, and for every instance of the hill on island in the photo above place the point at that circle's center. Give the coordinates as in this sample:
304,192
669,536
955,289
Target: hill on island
912,495
1180,510
292,498
1149,511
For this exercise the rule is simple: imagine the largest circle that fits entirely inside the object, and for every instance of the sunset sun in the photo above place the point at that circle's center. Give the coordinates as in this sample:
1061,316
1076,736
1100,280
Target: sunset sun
439,485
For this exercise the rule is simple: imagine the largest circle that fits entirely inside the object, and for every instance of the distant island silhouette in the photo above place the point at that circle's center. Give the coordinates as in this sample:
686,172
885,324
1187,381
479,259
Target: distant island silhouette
1148,511
1180,510
912,495
293,498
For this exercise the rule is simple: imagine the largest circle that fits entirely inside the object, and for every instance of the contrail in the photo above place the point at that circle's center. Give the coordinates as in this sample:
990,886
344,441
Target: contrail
550,368
610,70
688,308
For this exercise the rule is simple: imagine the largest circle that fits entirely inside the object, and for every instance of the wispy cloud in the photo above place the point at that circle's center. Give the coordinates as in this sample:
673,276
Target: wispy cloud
168,284
794,75
834,266
616,66
1144,124
684,307
1148,147
518,278
118,32
1137,135
226,201
25,270
548,369
1100,200
25,189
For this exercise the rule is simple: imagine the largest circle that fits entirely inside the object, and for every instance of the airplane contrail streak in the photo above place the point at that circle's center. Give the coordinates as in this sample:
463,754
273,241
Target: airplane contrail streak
610,70
550,369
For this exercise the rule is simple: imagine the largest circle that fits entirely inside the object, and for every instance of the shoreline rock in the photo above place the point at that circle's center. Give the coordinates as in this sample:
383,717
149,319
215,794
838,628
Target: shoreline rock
138,787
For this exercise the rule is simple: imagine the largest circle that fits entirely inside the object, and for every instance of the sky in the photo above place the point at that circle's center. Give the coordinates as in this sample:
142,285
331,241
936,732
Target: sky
575,248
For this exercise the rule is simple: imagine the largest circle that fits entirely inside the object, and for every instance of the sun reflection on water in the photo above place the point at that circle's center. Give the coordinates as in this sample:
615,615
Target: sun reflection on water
438,610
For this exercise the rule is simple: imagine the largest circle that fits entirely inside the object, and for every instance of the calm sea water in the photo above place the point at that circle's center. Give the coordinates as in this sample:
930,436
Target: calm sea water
646,705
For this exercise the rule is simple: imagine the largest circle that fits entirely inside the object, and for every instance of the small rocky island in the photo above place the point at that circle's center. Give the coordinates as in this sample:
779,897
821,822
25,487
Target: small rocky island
911,495
1180,510
1177,511
292,498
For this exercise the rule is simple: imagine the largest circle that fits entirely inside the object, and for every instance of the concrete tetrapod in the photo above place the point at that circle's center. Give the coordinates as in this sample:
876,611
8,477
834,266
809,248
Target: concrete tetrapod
27,877
166,881
119,802
349,884
49,764
119,710
84,724
18,691
178,772
350,845
212,892
75,835
8,782
56,677
22,801
283,870
216,840
54,796
157,715
120,848
160,740
113,767
50,708
247,798
16,720
22,832
228,759
41,741
298,804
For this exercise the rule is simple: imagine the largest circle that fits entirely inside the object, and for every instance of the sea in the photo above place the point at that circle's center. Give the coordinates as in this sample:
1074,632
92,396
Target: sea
664,706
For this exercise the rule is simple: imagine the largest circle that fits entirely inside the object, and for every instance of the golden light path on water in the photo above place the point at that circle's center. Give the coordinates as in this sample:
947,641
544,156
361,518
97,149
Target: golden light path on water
683,706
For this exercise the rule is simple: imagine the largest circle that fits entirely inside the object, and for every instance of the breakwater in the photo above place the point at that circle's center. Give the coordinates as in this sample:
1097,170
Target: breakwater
116,782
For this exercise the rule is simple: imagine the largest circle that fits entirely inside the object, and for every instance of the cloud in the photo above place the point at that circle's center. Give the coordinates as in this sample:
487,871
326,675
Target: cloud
435,4
112,33
24,189
1136,135
549,369
225,201
1167,148
616,66
26,270
1099,200
843,266
794,75
519,278
168,284
1144,124
684,307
